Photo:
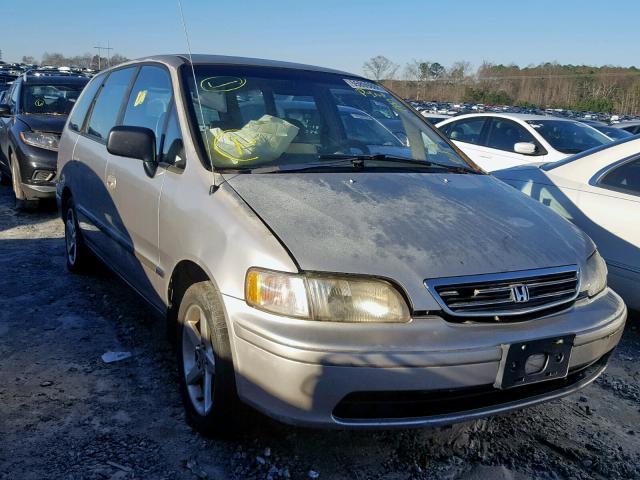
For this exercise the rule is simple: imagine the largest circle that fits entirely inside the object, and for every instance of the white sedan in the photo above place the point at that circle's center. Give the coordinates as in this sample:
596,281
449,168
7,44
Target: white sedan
503,140
599,191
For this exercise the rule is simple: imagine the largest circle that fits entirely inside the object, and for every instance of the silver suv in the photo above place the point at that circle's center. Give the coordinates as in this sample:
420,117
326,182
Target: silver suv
322,252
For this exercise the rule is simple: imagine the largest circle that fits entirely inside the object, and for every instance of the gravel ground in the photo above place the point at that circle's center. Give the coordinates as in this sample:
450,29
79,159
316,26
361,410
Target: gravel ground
64,413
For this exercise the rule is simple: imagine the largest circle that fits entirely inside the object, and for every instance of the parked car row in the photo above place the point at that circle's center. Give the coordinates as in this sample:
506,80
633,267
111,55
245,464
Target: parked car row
32,114
452,108
320,250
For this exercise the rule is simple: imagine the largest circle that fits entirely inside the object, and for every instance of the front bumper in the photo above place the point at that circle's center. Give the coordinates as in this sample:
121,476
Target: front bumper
305,372
34,159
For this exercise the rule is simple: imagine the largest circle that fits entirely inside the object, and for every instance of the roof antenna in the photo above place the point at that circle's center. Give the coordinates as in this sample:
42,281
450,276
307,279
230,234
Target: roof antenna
213,187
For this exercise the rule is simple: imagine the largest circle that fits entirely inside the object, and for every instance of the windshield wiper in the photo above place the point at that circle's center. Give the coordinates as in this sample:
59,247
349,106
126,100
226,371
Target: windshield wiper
358,161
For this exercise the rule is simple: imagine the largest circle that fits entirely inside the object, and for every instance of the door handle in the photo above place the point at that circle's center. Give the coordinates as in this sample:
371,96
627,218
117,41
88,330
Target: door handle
111,182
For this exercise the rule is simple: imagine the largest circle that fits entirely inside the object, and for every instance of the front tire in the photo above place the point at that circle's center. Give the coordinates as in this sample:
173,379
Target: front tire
207,376
79,257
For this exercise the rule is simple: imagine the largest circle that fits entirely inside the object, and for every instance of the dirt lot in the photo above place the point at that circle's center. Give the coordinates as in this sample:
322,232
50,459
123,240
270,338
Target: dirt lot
64,413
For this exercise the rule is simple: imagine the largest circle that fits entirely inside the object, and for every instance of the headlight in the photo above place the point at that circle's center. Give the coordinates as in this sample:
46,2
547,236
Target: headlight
325,297
594,275
48,141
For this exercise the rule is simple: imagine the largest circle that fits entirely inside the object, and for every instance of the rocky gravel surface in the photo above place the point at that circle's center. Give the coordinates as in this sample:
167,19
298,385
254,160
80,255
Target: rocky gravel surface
67,414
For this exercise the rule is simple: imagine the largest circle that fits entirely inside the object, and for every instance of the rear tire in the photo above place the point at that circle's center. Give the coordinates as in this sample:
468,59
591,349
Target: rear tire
21,202
207,376
79,257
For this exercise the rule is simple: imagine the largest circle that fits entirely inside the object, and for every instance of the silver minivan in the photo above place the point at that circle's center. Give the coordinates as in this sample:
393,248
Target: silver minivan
319,262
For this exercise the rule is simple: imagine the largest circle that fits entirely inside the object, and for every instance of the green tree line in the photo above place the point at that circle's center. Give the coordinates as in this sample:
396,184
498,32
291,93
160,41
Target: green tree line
578,87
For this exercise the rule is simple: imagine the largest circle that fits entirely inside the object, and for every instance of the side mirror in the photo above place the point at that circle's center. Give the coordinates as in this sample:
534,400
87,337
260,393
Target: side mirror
525,148
5,110
134,142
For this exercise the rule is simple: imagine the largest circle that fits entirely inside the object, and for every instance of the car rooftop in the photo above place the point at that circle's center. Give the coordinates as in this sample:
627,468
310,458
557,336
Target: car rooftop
32,79
518,116
203,59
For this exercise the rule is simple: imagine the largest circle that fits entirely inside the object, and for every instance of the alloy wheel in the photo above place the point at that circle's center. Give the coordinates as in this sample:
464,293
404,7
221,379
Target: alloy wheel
71,236
198,360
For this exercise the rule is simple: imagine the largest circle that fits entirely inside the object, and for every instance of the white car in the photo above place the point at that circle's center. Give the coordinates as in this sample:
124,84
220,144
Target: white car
434,118
502,140
599,191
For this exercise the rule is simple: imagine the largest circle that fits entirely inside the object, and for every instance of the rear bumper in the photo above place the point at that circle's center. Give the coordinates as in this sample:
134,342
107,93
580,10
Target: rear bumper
310,374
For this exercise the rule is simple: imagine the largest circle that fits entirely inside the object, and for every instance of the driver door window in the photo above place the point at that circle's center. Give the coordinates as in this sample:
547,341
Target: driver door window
149,101
467,131
504,134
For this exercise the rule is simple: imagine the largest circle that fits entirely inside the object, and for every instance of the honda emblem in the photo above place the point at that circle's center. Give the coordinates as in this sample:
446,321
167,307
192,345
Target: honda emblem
520,293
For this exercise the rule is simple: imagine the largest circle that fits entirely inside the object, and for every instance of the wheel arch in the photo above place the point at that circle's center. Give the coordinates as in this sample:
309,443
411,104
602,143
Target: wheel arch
184,274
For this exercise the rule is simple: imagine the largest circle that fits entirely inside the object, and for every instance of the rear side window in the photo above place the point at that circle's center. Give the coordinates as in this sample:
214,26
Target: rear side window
468,131
79,112
625,178
107,106
504,134
149,101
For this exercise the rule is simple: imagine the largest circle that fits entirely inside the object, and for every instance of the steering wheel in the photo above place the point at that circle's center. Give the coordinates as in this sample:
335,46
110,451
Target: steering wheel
346,146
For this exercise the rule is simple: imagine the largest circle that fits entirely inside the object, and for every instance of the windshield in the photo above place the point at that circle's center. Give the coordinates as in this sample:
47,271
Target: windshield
568,137
55,99
612,132
251,117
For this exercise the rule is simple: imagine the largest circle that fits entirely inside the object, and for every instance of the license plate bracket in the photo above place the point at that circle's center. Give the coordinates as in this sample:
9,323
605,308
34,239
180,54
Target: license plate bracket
534,361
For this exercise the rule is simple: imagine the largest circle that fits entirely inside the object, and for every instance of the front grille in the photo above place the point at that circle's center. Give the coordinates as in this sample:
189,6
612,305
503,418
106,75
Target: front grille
506,294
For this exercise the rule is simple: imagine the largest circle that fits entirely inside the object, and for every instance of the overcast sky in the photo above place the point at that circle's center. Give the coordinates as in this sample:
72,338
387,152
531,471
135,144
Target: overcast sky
334,33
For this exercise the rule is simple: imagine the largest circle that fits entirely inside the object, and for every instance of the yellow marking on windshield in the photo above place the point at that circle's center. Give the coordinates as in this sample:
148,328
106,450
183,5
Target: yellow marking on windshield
227,84
142,94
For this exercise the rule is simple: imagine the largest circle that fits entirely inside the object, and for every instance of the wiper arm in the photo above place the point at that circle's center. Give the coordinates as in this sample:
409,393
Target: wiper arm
359,161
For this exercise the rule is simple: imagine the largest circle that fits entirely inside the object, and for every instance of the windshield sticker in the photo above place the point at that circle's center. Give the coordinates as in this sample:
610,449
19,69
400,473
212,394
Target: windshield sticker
363,85
142,94
39,102
222,84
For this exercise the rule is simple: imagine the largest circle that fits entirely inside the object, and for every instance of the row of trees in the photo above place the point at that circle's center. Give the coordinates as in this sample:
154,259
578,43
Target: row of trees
86,60
603,89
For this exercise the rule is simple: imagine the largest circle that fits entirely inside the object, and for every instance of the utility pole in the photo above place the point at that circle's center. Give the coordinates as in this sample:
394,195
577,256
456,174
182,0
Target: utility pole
99,48
109,53
108,49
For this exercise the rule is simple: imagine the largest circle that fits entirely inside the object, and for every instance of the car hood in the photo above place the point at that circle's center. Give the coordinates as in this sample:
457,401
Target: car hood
410,226
44,123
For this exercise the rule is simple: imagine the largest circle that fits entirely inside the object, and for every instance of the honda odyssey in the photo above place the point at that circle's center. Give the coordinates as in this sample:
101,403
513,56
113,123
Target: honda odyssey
317,265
